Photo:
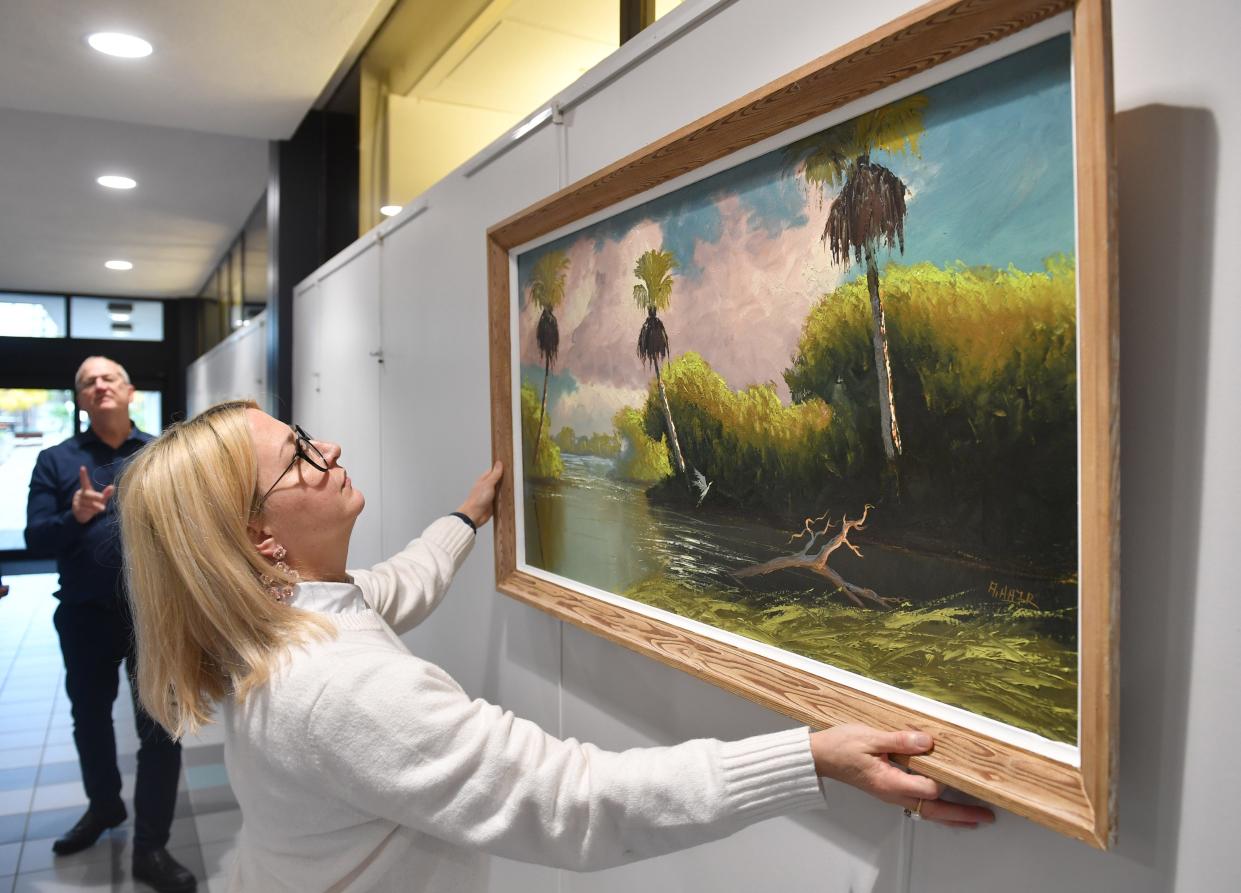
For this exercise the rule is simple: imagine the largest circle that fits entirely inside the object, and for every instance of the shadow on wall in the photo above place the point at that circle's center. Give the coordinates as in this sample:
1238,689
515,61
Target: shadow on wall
1168,158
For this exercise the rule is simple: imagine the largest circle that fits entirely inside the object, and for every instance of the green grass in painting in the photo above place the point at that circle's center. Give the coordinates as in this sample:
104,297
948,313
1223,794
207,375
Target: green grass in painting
990,660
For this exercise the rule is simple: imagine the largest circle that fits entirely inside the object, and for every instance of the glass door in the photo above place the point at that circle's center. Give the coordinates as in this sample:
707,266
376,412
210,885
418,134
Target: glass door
31,419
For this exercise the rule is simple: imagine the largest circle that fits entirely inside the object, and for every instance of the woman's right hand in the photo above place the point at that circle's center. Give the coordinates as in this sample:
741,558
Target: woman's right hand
480,504
858,755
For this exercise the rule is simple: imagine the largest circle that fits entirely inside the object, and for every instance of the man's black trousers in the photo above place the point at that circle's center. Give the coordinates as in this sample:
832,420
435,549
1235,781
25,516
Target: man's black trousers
94,640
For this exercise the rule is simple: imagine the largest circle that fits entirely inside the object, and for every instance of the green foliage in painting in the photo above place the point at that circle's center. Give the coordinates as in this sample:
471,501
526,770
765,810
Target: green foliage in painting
606,445
984,376
642,459
566,439
548,463
751,446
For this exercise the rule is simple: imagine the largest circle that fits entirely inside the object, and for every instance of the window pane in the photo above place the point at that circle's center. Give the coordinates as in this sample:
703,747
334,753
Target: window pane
30,421
32,316
147,411
118,318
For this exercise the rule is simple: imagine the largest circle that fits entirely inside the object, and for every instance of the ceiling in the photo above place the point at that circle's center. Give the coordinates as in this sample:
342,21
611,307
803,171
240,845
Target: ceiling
492,64
190,123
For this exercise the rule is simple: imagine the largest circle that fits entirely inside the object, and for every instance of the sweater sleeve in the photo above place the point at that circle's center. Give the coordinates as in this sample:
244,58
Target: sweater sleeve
399,739
407,587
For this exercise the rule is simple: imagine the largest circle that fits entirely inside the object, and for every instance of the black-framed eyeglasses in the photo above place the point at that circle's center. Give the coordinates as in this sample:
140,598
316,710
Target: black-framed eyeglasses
303,448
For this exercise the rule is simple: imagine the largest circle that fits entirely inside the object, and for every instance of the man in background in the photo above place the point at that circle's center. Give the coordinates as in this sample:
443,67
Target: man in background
71,515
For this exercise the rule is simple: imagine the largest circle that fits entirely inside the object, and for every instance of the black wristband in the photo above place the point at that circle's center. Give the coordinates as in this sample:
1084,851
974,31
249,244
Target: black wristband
467,519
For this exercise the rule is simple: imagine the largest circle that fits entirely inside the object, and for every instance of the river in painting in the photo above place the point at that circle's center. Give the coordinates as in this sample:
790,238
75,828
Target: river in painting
994,643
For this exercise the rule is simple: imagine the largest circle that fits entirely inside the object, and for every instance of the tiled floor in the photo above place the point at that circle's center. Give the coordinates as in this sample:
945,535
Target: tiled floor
41,792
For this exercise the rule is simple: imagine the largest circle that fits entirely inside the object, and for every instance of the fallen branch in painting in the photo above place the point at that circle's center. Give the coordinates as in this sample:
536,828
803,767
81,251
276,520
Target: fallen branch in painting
818,561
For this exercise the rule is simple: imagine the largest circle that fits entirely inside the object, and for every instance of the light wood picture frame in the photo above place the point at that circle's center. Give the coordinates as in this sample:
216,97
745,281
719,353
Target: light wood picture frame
1073,795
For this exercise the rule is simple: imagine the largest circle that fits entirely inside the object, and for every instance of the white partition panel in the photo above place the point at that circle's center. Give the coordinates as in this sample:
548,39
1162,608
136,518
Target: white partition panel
437,439
307,334
348,369
1176,126
235,369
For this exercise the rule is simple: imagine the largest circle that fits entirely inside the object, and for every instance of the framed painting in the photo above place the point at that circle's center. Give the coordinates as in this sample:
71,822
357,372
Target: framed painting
816,399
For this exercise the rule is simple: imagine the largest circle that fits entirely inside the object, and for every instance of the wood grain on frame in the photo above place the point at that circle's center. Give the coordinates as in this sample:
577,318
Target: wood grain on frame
1079,803
1099,410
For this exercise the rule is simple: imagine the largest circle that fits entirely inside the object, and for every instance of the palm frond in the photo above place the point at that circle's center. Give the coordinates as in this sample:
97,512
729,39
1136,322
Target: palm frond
547,280
894,128
654,268
652,340
640,296
824,158
869,210
548,336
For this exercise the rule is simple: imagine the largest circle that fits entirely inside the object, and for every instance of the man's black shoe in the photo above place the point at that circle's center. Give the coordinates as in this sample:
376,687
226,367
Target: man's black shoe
86,832
161,871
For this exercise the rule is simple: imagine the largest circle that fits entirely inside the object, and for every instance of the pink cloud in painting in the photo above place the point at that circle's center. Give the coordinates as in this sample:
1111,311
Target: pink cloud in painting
744,312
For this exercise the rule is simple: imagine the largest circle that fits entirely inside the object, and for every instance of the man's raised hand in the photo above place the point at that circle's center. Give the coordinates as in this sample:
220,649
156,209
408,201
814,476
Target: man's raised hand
87,501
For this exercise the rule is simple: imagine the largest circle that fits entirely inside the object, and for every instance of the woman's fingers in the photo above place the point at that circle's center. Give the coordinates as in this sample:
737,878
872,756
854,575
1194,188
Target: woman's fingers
900,742
945,812
907,785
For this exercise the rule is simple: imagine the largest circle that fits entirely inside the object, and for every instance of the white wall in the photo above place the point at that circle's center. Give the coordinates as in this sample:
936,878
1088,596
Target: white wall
417,426
234,369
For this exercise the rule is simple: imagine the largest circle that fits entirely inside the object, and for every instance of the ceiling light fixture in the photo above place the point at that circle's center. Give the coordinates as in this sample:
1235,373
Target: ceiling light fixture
118,265
113,43
116,181
390,210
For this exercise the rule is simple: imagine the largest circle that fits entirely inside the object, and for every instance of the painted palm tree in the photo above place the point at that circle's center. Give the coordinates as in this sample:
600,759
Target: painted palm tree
652,294
547,292
867,212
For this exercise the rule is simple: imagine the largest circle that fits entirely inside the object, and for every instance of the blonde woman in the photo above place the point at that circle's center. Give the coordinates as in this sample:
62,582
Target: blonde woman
359,766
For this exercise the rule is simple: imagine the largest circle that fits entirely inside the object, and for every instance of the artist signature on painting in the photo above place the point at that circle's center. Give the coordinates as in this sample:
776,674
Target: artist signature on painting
1012,595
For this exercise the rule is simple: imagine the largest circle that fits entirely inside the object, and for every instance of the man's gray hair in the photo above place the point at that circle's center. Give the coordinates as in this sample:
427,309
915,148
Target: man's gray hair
77,377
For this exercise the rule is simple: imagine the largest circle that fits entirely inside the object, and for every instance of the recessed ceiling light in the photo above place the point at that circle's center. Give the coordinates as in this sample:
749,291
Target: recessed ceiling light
118,265
116,181
113,43
390,210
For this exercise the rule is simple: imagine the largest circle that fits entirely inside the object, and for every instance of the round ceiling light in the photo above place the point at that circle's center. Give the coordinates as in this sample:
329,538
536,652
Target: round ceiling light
113,43
390,210
116,181
118,265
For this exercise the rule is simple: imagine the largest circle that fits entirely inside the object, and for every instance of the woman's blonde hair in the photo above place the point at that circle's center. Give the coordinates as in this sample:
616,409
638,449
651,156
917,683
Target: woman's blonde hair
206,625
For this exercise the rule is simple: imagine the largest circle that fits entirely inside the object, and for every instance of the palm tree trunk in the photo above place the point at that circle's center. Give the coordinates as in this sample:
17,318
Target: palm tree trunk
538,432
883,368
672,429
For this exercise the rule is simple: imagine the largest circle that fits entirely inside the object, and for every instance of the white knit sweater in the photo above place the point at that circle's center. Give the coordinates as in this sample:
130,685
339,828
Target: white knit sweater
361,767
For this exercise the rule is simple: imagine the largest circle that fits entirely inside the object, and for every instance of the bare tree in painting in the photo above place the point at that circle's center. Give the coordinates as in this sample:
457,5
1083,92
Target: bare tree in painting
817,563
652,294
867,212
547,292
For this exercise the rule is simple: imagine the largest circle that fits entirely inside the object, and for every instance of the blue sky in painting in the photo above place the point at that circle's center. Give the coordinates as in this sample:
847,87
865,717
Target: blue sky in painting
993,184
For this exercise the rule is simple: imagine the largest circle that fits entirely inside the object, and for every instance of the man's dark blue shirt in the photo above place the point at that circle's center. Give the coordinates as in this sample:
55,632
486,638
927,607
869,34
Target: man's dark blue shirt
88,555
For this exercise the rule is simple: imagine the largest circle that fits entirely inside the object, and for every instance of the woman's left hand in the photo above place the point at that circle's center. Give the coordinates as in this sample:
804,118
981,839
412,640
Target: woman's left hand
480,504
